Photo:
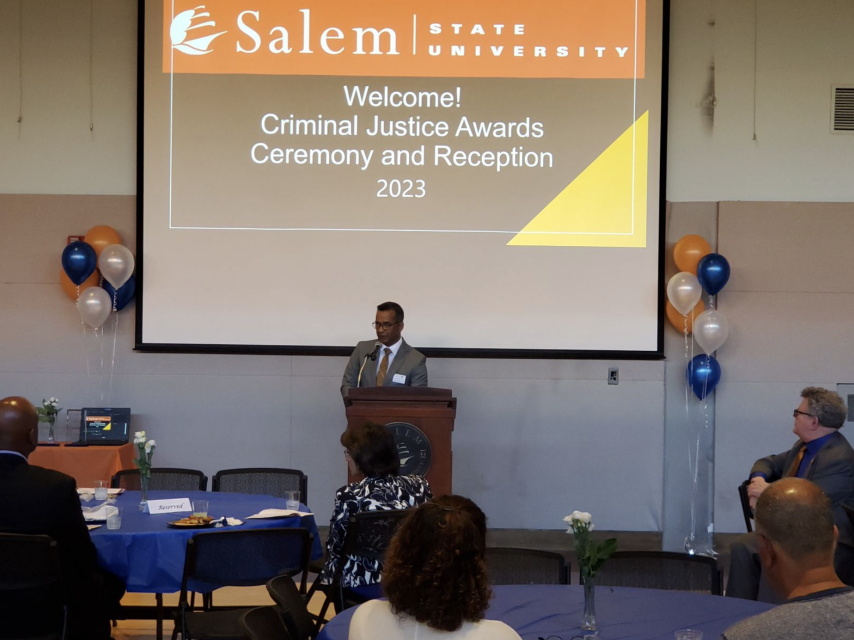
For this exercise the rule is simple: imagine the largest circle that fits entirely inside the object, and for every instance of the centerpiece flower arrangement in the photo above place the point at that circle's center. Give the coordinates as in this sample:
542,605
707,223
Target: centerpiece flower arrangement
591,558
47,413
144,454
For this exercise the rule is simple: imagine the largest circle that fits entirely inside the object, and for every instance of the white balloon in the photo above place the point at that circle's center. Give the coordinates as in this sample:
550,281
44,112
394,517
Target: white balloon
94,305
116,264
711,329
683,291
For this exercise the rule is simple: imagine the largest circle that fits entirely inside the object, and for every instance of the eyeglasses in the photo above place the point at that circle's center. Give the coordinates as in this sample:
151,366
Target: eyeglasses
803,413
384,325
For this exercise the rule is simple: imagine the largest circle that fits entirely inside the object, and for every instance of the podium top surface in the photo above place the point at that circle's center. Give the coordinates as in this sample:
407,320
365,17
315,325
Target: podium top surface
399,394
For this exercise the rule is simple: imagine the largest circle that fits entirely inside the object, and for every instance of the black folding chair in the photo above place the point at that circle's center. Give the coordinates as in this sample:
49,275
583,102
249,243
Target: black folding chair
263,623
661,570
239,558
746,511
368,536
262,481
32,604
292,608
162,479
525,566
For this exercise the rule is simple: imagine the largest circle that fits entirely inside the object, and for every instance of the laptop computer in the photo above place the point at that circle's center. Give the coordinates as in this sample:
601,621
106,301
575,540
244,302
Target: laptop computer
104,426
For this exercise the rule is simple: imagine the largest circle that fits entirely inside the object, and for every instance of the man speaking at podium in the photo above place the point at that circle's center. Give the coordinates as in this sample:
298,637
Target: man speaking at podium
387,361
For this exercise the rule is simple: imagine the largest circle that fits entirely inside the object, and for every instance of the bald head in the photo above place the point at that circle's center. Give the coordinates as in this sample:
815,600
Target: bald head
796,514
19,423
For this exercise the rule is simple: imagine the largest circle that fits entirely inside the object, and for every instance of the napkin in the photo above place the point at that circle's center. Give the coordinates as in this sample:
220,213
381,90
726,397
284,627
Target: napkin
92,526
95,514
111,492
230,522
279,513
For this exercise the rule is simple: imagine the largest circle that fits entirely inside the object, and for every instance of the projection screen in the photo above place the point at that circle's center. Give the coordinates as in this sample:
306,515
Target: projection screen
495,167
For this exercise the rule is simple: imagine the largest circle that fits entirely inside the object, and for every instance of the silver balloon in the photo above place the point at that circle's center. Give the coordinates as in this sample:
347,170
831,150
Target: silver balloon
116,264
683,291
711,329
95,306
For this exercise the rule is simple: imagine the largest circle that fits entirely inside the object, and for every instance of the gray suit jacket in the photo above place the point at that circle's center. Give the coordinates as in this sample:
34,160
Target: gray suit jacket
832,469
408,362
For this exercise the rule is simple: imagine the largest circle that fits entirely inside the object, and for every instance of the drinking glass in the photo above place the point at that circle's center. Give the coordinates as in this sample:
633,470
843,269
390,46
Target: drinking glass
292,500
101,489
114,517
200,508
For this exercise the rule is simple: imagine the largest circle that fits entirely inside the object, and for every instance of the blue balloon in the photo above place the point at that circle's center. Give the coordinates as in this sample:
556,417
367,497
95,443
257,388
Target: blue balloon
124,295
713,272
79,261
704,373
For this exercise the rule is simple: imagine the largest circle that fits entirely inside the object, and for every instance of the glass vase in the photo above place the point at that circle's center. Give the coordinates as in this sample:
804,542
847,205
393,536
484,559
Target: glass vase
144,479
588,621
51,426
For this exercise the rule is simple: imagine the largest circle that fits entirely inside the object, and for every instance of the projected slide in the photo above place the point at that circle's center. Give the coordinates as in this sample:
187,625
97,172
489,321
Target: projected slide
492,166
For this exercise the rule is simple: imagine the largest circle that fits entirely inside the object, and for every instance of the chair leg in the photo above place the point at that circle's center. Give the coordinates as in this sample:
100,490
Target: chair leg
158,597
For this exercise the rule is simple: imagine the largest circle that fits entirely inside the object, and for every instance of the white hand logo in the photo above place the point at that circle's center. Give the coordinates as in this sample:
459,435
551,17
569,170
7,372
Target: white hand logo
183,23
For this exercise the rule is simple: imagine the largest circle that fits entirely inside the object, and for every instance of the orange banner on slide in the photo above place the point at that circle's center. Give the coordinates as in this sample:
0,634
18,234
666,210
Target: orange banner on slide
412,38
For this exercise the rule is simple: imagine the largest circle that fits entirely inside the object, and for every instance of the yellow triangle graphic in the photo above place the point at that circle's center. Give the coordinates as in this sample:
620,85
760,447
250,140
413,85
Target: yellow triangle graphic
605,206
108,427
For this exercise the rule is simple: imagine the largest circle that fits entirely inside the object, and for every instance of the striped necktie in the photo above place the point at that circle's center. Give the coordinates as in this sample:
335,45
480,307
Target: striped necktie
383,370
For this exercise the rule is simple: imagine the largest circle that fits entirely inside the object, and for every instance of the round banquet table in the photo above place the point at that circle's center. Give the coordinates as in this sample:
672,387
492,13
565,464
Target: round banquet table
149,555
623,613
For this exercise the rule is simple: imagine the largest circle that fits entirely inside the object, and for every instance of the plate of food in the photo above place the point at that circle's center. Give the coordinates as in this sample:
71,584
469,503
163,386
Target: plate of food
192,522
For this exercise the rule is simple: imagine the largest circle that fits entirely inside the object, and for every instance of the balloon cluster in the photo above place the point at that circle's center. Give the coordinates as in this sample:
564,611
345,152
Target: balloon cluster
699,269
98,274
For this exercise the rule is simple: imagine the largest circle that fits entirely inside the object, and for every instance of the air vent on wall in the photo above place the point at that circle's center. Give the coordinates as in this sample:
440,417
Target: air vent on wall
842,109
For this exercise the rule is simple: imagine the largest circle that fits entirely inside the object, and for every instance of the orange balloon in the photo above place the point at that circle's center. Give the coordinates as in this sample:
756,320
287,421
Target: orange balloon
678,320
71,289
686,254
101,236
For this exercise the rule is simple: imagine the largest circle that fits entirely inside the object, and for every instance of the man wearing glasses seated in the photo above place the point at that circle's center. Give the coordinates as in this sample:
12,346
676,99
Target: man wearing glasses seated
387,361
821,455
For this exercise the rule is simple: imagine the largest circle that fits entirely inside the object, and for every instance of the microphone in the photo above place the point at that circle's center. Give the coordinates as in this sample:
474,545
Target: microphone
373,356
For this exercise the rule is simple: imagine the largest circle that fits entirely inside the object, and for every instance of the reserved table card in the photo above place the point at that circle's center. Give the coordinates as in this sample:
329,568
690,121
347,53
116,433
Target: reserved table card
174,505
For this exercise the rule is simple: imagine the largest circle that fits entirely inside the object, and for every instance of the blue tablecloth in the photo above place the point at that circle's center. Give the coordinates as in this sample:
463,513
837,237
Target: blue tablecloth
623,613
149,556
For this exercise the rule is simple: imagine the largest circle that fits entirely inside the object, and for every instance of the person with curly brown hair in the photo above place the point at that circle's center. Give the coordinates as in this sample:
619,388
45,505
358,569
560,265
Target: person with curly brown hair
435,579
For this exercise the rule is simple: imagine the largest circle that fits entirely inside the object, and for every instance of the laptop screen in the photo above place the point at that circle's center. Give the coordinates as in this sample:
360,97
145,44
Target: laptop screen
104,425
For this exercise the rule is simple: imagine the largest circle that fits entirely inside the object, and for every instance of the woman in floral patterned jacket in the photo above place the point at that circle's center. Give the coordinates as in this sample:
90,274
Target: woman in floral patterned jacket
370,451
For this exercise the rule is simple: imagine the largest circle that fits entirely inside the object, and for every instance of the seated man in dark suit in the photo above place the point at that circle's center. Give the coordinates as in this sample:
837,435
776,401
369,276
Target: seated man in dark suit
34,500
821,455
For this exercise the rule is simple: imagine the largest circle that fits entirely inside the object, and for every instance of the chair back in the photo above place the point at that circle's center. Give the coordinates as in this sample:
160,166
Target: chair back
32,603
525,566
263,623
162,479
746,511
292,607
661,570
369,535
246,558
262,481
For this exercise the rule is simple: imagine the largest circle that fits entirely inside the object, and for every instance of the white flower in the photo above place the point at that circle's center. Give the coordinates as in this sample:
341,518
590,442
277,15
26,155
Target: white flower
139,434
150,445
53,400
138,440
582,516
54,404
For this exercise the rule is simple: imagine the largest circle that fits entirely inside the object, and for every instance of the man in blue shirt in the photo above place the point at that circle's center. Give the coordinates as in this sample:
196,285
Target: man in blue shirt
821,455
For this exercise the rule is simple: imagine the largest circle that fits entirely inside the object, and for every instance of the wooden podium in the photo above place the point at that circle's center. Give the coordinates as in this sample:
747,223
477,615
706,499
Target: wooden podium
422,420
